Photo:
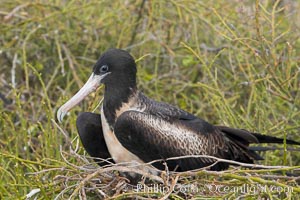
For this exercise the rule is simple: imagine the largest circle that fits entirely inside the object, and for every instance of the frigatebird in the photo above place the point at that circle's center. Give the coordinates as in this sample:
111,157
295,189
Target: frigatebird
134,128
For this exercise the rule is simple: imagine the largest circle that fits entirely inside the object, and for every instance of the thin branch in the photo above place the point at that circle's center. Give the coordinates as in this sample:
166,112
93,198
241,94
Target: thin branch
221,160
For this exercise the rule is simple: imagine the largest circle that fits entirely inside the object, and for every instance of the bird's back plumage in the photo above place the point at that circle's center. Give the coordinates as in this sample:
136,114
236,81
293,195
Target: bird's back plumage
161,131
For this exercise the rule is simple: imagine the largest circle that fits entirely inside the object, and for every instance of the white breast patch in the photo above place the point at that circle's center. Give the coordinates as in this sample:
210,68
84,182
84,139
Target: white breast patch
117,151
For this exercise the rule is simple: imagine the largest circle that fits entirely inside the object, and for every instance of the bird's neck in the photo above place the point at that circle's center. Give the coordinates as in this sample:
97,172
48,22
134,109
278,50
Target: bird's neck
114,99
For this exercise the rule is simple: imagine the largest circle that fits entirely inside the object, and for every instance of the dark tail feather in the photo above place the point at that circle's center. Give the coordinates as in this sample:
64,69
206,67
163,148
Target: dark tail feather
259,148
271,139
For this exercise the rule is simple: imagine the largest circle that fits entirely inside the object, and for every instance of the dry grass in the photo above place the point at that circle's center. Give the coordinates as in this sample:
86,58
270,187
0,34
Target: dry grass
230,62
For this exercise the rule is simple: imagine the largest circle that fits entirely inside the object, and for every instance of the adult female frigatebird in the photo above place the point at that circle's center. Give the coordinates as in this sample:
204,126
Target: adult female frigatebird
133,127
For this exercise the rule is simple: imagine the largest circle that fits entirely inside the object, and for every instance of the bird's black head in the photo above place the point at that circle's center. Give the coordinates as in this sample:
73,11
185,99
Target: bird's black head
117,67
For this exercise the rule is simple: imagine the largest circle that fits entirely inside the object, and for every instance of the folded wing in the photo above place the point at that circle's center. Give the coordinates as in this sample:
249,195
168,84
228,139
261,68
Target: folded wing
152,137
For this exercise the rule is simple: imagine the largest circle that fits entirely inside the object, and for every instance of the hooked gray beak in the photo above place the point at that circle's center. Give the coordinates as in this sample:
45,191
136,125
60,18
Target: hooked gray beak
91,85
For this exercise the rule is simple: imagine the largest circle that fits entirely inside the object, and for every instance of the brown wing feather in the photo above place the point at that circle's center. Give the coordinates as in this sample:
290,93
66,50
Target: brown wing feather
151,138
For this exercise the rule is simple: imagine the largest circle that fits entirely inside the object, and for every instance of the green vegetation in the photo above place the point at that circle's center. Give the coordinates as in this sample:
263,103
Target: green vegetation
234,63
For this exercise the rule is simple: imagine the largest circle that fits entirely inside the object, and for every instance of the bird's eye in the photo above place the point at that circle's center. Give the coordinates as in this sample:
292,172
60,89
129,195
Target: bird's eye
103,69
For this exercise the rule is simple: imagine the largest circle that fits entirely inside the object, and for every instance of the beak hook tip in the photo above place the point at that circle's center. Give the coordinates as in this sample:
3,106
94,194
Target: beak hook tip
60,115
